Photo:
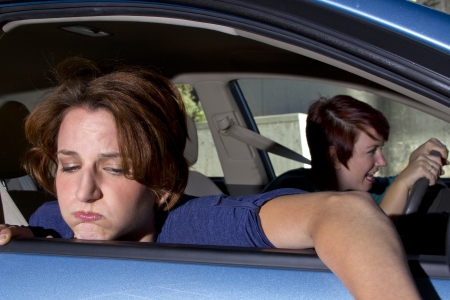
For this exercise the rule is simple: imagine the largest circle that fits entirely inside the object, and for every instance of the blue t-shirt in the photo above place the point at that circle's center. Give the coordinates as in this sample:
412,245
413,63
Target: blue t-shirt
303,179
211,220
380,187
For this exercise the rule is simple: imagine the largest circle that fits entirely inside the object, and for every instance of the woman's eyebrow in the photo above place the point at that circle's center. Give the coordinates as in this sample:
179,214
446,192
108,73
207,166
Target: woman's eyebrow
67,152
374,146
102,155
109,155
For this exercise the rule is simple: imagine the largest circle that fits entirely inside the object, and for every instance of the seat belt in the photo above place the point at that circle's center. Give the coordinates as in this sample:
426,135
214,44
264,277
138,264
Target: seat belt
9,213
229,128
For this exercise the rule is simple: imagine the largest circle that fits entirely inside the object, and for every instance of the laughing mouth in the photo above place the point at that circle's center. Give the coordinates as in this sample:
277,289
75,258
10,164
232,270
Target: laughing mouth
370,176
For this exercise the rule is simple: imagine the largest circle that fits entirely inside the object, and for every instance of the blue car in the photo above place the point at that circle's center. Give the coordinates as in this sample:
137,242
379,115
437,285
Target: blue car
260,63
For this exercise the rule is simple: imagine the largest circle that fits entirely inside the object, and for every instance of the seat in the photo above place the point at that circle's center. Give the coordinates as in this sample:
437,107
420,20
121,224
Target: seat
13,146
198,184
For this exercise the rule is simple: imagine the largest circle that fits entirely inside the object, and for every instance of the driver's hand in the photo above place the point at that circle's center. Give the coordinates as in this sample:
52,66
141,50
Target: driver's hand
425,165
432,144
8,232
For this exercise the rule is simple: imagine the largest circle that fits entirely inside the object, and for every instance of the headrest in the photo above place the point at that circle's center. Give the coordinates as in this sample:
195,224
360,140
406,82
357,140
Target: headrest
13,143
191,150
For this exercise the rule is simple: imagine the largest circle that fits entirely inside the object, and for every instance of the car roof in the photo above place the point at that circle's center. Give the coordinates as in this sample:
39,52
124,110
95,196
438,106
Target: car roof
411,19
334,29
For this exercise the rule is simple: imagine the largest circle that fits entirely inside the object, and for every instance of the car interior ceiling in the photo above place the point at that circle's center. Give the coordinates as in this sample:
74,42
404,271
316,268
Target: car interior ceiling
30,51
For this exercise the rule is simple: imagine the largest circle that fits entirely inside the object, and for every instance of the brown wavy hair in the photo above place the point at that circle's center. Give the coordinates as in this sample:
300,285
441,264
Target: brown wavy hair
149,115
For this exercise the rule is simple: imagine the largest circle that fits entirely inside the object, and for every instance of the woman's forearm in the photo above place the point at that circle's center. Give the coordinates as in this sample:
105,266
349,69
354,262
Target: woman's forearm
394,201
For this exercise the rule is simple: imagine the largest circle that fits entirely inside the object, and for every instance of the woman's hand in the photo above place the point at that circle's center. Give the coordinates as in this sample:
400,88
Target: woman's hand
425,165
421,164
432,144
8,232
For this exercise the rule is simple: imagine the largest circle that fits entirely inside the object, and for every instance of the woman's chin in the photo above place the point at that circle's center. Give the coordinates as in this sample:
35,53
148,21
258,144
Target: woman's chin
89,232
367,187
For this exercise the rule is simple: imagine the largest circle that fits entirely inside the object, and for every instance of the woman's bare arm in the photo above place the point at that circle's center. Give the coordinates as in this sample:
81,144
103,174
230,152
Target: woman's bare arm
351,235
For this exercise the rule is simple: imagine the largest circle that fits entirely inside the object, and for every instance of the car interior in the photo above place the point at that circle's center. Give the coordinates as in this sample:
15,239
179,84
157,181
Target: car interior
212,59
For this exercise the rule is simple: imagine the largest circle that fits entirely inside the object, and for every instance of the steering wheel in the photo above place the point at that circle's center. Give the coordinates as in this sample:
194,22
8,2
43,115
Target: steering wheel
418,191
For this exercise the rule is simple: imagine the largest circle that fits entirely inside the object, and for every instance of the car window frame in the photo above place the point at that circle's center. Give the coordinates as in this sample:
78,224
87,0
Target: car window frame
305,34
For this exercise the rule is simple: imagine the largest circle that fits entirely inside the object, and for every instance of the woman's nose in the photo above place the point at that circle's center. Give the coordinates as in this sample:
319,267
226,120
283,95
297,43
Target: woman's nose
88,189
381,161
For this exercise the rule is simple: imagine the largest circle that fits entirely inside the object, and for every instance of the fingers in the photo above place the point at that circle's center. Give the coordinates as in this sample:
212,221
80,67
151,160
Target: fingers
434,174
436,163
432,163
8,232
431,167
5,234
426,148
423,166
434,144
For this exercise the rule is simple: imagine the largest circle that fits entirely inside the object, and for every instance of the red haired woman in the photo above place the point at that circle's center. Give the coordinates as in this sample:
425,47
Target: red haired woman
345,137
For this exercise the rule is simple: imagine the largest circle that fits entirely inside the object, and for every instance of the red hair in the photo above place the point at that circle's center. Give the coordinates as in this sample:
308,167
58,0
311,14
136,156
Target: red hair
337,122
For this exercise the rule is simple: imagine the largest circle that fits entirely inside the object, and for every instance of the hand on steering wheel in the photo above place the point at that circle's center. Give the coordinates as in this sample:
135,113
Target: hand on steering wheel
418,191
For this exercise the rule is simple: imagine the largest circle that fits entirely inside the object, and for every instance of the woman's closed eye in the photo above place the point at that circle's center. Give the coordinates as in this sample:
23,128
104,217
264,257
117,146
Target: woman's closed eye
70,169
114,171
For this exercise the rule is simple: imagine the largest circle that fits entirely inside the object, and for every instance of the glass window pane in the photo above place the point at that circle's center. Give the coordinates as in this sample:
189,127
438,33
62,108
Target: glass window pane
208,160
279,107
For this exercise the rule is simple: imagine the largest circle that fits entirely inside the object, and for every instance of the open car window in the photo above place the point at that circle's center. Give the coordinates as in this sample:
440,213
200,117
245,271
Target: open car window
207,161
280,106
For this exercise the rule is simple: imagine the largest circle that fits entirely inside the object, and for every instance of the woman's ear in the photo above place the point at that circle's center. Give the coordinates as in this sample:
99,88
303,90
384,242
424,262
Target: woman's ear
161,200
333,158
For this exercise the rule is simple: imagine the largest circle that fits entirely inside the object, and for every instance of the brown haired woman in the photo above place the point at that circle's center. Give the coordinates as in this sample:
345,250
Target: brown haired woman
116,141
345,138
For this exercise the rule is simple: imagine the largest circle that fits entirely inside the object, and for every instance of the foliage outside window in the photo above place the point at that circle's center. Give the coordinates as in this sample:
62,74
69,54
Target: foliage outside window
193,106
208,160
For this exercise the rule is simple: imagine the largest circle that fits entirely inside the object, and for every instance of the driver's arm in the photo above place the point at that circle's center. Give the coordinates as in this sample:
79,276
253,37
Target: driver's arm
350,234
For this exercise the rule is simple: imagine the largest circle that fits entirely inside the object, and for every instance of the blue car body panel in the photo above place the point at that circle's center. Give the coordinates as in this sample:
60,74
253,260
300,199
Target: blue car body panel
28,276
98,278
415,21
410,19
